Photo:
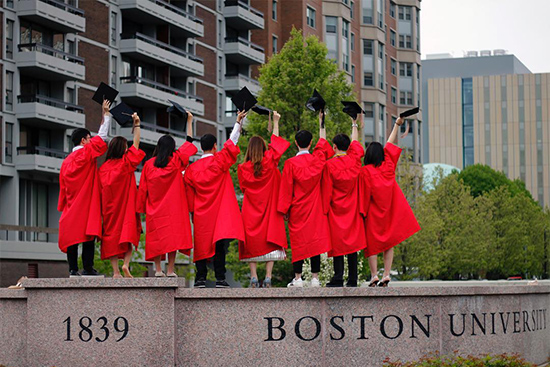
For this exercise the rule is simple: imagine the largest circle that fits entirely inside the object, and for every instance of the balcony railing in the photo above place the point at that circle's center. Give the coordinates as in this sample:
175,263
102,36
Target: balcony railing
164,46
64,6
177,10
162,130
48,50
160,87
240,76
244,42
47,152
50,102
244,5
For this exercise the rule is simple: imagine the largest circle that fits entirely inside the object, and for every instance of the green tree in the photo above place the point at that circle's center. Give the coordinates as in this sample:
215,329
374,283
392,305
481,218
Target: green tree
482,178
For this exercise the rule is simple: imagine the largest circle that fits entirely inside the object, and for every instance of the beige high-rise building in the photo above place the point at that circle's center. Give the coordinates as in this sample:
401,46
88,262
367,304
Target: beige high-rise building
498,120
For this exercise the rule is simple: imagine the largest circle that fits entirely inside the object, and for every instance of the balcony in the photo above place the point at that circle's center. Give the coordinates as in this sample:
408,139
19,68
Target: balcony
49,112
148,93
240,15
151,133
39,159
161,12
234,83
241,51
142,47
48,63
53,14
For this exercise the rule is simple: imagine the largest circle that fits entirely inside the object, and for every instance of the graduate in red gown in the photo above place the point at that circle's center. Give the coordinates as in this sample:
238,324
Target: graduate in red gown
389,219
301,200
79,196
161,196
213,204
264,226
345,222
121,222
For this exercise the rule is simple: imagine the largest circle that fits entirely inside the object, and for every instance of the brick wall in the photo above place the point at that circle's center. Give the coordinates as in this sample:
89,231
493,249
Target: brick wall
210,26
210,101
92,110
97,20
210,64
208,3
203,128
391,80
97,63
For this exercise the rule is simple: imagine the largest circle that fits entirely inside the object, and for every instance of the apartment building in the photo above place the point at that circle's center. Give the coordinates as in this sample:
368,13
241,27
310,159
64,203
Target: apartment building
195,52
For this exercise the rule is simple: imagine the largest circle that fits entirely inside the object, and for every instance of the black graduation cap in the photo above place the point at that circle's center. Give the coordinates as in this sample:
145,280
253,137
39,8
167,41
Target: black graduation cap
316,102
122,113
407,113
244,100
177,110
261,110
352,109
105,92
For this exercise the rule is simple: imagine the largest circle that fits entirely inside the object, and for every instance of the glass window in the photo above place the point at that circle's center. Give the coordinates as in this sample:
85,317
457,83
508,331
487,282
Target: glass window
332,24
331,37
369,109
8,150
392,9
9,39
274,10
352,4
311,16
392,38
405,69
345,45
113,29
381,65
368,47
393,95
275,46
404,13
367,11
353,73
352,41
368,80
9,91
393,64
113,71
381,13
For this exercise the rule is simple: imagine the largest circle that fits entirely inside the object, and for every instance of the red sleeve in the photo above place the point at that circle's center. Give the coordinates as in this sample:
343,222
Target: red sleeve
95,148
355,150
62,194
393,152
364,193
277,148
286,190
228,155
239,176
134,157
184,152
326,189
323,150
142,191
189,191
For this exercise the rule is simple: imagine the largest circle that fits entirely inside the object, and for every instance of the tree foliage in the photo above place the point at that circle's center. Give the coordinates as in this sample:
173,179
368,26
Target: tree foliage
482,179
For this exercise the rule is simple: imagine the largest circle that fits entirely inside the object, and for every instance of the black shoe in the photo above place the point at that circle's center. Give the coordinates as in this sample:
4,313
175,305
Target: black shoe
90,273
200,283
335,284
222,284
351,284
73,273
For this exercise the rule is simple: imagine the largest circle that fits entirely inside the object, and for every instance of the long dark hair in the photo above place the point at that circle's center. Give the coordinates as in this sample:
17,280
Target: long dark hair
255,153
117,148
164,150
374,154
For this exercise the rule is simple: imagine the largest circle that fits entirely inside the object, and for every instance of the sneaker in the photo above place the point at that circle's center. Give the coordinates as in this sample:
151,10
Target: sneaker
266,283
315,283
74,274
296,283
200,283
91,273
254,283
334,283
222,284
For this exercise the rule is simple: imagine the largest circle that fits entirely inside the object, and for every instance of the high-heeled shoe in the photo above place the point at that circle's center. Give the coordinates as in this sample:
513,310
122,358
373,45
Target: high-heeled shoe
374,282
384,282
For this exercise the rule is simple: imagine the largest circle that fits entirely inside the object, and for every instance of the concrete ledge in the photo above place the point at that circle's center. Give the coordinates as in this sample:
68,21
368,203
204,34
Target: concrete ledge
69,283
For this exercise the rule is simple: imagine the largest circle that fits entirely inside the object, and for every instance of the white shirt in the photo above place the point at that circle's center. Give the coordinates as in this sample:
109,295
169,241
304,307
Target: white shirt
206,155
302,152
104,128
236,132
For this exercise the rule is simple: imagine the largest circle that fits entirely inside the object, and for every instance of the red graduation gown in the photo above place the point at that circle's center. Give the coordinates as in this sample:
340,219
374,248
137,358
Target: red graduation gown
389,217
79,197
347,230
264,226
161,197
211,197
121,223
301,196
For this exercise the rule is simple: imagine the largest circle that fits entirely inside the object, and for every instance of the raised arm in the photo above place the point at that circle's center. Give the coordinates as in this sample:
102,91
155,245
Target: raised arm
276,118
355,127
137,130
322,130
393,136
189,127
105,120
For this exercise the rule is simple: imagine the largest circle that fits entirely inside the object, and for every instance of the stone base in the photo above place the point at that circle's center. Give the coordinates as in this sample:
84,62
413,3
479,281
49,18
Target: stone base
158,322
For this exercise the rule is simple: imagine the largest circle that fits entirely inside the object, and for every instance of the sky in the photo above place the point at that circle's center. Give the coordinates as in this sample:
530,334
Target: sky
522,27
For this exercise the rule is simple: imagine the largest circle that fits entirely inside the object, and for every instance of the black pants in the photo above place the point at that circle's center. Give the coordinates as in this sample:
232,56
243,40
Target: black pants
352,268
87,256
219,262
315,265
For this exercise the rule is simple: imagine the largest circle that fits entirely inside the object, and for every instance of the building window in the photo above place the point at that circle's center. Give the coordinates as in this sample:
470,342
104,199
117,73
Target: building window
353,73
405,13
367,11
332,23
369,109
345,45
9,91
331,37
393,95
392,9
467,122
392,38
381,65
368,47
352,4
393,65
368,80
406,98
352,41
274,10
9,39
113,71
8,149
275,47
113,29
381,124
310,13
381,13
405,69
405,41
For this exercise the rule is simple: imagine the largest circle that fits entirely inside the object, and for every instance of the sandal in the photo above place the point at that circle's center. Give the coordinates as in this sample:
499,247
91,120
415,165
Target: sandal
160,274
374,282
266,283
254,283
172,275
19,284
384,282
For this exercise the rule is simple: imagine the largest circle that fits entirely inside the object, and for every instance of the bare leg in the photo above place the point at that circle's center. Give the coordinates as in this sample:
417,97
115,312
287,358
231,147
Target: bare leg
171,262
388,260
253,268
126,265
373,265
114,265
269,268
158,268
